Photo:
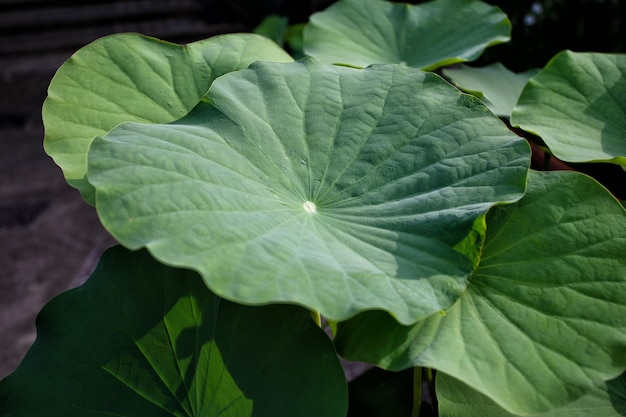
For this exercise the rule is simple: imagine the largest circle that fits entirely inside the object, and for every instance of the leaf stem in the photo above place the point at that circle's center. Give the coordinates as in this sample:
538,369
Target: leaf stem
417,391
429,375
317,318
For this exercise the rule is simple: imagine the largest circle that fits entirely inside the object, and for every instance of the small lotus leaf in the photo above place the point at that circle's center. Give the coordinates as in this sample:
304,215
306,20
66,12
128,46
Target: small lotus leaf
427,36
498,87
577,104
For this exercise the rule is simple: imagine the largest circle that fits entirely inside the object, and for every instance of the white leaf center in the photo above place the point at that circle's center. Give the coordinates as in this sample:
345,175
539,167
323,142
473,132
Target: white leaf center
309,207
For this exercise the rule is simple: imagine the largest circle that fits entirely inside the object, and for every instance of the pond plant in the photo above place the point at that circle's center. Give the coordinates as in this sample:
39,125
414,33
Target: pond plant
372,200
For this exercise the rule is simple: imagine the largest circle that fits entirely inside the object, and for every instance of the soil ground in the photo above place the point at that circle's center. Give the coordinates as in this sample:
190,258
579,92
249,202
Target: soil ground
50,239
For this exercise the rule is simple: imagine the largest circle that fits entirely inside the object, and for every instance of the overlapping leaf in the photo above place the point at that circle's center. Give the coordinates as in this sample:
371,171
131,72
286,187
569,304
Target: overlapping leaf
459,400
130,77
577,104
340,189
543,320
427,36
142,339
498,87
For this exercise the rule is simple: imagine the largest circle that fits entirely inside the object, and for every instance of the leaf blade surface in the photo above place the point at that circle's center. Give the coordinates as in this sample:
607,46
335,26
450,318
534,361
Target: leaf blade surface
498,87
425,36
541,322
577,105
331,187
131,77
143,339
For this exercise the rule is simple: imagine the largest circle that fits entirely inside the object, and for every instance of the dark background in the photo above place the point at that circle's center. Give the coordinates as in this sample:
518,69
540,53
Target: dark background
50,239
540,28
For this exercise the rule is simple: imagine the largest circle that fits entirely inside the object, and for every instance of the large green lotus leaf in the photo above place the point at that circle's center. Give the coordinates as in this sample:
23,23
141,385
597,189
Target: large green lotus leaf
498,87
141,339
543,320
577,104
340,189
130,77
427,36
456,399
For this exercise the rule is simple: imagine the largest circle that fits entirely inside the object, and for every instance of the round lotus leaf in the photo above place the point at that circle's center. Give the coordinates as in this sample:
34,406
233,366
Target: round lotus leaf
427,36
335,188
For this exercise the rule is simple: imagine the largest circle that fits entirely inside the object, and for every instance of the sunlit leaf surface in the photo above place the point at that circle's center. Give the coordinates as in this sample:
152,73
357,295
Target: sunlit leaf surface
543,320
498,87
456,399
339,189
130,77
577,104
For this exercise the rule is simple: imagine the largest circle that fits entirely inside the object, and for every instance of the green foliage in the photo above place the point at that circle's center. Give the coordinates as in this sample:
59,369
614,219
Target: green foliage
604,400
143,339
577,104
549,262
130,77
498,87
155,339
428,36
373,193
338,181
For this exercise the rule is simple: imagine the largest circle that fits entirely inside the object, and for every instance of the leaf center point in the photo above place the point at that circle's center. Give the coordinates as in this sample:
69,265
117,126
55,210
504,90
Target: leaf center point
309,207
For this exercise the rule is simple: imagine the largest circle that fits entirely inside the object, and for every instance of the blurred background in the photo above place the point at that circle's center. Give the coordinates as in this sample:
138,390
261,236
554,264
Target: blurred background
50,239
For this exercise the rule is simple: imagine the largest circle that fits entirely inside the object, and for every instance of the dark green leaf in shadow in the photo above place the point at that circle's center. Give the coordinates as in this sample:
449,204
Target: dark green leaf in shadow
339,189
577,104
380,393
273,27
427,36
543,320
294,39
140,339
131,77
